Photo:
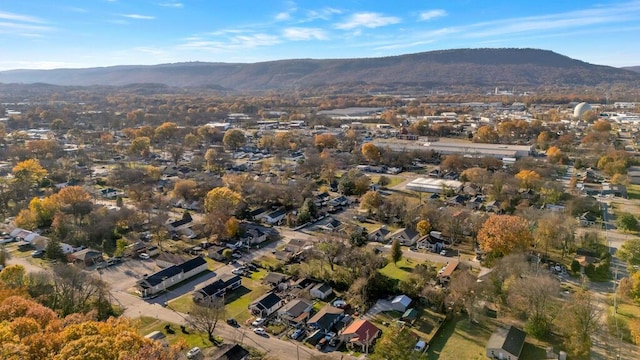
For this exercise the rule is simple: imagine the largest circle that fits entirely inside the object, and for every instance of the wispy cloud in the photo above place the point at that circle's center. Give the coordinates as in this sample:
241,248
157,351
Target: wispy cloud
432,14
299,34
22,25
21,18
229,40
322,14
368,20
138,16
177,5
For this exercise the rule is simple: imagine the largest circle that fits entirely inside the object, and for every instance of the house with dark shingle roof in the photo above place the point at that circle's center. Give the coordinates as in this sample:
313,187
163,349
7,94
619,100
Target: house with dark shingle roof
230,352
326,318
161,280
266,305
217,288
506,343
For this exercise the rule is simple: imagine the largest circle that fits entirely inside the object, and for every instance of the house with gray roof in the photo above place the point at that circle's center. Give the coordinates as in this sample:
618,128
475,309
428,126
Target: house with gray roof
506,343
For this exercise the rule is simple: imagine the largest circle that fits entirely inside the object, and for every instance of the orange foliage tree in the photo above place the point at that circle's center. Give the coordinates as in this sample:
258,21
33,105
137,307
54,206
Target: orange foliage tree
371,152
503,234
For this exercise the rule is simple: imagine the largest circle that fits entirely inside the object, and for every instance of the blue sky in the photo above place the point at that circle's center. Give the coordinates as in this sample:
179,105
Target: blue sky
44,34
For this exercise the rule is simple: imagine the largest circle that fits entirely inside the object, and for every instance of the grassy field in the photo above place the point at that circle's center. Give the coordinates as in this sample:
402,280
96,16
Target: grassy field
460,340
394,180
423,327
400,271
633,191
148,324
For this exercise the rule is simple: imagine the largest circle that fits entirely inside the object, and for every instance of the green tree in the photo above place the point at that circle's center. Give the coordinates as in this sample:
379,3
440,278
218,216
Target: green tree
54,251
396,343
396,251
626,222
630,251
234,138
227,254
121,246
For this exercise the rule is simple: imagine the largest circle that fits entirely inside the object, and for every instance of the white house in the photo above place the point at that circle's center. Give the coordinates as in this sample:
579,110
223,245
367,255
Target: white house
401,303
321,291
275,217
159,281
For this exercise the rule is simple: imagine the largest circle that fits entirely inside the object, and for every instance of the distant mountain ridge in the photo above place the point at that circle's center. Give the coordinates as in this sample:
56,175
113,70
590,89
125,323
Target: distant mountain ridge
444,68
633,68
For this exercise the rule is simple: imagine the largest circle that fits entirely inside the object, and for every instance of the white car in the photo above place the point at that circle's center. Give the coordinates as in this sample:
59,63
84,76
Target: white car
259,321
443,252
260,331
421,346
144,256
193,353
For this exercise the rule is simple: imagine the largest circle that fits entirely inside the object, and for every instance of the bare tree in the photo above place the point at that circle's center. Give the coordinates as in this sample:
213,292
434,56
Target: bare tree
579,320
463,293
204,316
536,298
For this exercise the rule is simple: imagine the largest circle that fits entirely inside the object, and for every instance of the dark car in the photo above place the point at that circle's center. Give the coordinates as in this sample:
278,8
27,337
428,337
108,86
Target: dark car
38,253
232,322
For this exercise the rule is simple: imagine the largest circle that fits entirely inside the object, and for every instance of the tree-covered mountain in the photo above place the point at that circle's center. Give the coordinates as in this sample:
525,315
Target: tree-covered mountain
633,68
427,70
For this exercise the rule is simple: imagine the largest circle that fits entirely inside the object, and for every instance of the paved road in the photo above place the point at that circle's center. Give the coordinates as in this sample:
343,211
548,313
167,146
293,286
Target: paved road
136,307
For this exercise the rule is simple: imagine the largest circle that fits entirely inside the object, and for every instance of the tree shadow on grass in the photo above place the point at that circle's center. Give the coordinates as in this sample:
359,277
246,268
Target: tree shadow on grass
236,294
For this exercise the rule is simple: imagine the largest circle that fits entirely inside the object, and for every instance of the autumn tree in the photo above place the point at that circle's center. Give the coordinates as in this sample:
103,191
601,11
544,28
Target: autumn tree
232,226
503,234
528,178
486,134
220,204
423,227
371,152
464,293
29,172
166,131
140,146
325,141
602,126
234,138
554,154
184,189
75,201
371,200
13,276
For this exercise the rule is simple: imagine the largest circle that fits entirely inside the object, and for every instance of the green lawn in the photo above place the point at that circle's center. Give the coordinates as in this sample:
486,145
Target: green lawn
633,191
394,180
148,324
423,327
183,303
400,271
460,340
237,302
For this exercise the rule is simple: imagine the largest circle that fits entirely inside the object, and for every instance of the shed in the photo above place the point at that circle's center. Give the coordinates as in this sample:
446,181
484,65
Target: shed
401,303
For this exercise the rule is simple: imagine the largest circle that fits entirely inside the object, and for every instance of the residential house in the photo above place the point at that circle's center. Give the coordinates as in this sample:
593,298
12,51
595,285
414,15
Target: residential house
258,214
230,352
337,202
321,199
475,203
166,259
434,241
254,236
295,312
274,279
159,281
275,217
587,219
361,333
109,193
296,246
326,318
444,276
215,252
379,235
266,305
321,291
332,225
406,236
457,200
217,288
493,206
182,224
401,303
506,343
68,249
86,257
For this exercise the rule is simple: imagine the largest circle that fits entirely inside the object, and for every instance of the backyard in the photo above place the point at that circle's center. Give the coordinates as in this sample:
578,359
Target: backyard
148,325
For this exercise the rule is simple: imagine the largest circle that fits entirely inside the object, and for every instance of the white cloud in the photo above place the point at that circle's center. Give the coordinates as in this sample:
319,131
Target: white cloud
368,20
298,34
229,40
138,16
432,14
283,16
177,5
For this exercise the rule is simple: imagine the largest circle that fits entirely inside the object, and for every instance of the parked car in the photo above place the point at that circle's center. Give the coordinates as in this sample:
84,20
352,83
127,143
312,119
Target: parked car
191,354
259,321
443,252
421,346
38,253
144,256
7,240
237,271
339,303
232,322
260,331
297,334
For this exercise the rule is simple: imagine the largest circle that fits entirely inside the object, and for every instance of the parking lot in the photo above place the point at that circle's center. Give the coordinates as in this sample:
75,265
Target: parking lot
123,276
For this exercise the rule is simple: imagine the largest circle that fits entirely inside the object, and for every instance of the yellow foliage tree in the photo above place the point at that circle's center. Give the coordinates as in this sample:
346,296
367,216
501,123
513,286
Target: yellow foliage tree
528,178
371,152
29,172
423,227
554,154
503,234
